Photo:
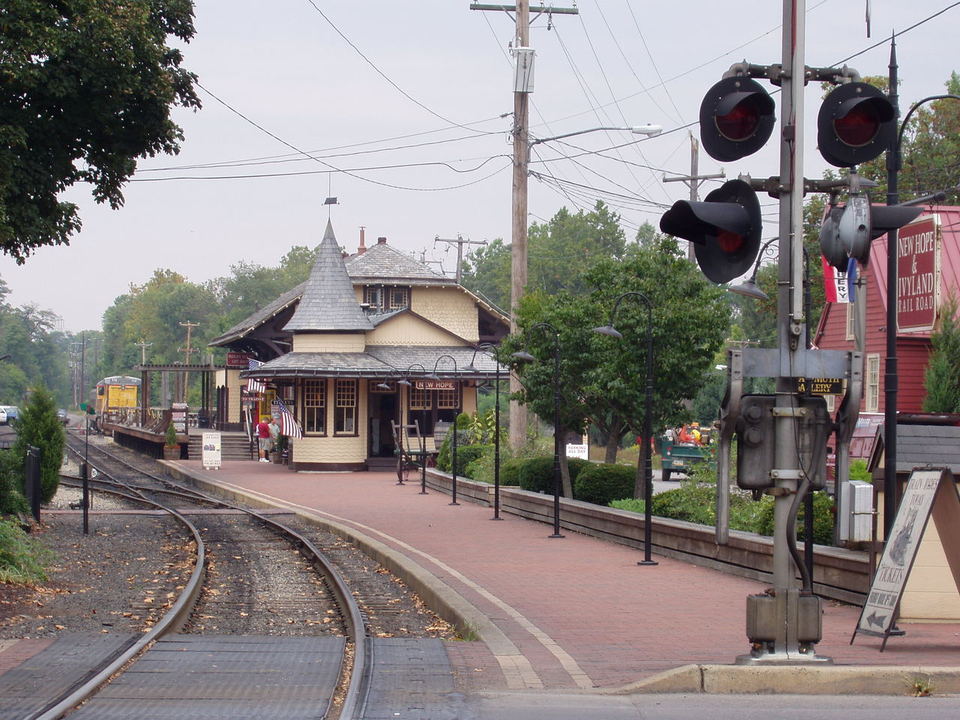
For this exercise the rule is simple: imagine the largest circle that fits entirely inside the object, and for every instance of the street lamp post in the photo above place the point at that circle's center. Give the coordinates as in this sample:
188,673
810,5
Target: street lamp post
611,331
453,442
492,351
524,356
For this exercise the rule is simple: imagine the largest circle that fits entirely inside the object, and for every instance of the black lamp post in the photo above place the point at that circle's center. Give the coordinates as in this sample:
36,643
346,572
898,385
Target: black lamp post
453,442
891,374
423,457
492,351
524,356
611,331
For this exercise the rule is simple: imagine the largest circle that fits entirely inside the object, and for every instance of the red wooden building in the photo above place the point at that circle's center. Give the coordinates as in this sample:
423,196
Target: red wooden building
928,271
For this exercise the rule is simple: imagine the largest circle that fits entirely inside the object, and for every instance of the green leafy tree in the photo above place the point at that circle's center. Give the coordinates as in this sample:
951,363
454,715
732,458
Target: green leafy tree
602,381
86,89
942,378
556,251
39,426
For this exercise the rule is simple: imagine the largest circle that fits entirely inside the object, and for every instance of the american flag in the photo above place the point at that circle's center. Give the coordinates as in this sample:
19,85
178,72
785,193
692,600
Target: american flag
254,386
288,425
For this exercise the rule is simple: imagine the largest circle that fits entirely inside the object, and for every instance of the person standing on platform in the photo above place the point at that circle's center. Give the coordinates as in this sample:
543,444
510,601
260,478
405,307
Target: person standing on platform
263,438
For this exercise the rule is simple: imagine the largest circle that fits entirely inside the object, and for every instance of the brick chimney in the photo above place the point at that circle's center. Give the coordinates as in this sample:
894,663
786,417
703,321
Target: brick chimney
363,243
381,240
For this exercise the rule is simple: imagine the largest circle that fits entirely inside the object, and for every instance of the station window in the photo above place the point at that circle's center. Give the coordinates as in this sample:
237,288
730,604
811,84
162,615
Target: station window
315,406
345,408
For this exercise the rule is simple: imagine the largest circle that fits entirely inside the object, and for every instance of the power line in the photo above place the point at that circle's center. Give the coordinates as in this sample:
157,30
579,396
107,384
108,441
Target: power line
380,72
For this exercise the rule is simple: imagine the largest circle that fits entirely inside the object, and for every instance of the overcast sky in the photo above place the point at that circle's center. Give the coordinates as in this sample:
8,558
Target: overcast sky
405,108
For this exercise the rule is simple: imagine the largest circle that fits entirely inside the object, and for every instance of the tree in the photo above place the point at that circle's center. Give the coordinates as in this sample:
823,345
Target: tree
86,89
942,378
601,381
691,319
38,426
557,250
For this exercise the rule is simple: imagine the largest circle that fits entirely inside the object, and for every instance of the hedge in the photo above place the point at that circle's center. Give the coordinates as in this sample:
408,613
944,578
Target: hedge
602,484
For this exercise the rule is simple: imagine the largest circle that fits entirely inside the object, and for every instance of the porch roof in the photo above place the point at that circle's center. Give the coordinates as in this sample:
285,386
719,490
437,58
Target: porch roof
381,361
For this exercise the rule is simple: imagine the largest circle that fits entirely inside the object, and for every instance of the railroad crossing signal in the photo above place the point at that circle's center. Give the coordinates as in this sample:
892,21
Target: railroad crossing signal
736,118
724,228
856,123
848,231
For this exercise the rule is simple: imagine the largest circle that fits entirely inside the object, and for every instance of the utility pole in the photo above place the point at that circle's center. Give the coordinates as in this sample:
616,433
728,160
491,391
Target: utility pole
523,86
143,345
459,242
694,180
187,351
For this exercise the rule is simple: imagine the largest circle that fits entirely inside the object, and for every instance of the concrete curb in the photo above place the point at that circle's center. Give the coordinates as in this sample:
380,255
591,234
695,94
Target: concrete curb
800,680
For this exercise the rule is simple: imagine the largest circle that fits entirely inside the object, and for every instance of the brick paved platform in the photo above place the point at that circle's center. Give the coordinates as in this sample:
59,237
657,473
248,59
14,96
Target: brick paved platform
574,612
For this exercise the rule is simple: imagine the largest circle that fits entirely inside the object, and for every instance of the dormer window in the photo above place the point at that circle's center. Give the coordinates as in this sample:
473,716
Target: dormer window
399,298
380,298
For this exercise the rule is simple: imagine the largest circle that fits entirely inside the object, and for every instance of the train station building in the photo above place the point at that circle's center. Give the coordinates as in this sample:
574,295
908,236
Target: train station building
370,339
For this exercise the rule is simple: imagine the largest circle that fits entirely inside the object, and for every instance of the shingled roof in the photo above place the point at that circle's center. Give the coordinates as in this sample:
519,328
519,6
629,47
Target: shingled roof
383,263
328,301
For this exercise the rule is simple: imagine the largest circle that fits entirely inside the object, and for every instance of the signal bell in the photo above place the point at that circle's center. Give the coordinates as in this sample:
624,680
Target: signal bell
736,118
725,228
856,123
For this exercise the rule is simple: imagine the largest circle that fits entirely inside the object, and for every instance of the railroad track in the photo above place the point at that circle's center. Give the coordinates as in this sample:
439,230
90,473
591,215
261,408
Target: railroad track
239,553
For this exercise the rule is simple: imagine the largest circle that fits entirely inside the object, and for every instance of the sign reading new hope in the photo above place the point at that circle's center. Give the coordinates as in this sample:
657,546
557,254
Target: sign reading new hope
918,274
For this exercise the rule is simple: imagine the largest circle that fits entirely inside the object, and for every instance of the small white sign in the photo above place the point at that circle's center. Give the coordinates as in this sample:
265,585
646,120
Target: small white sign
211,450
578,451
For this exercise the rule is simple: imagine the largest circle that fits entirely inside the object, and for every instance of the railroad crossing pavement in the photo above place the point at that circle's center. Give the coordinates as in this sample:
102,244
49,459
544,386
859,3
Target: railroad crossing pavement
577,612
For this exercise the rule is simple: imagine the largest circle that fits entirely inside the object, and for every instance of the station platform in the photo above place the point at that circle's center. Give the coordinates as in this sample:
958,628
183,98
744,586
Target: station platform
577,612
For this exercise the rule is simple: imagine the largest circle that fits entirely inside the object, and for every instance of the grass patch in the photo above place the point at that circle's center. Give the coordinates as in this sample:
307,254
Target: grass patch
22,559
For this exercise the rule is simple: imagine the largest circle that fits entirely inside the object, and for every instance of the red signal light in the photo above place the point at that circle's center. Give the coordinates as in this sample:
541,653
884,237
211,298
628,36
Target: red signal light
855,124
730,242
741,122
859,126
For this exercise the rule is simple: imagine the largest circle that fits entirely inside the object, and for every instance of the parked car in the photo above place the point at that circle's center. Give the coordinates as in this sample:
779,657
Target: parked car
62,416
13,412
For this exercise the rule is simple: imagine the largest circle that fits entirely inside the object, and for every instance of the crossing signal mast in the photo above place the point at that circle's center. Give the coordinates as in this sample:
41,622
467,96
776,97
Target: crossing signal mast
782,436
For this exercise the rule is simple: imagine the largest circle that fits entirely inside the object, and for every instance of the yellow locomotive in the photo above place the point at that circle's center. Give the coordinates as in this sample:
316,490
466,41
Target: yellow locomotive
117,395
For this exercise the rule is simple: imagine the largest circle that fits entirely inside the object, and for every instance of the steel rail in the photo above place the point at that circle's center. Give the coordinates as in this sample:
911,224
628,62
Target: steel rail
358,684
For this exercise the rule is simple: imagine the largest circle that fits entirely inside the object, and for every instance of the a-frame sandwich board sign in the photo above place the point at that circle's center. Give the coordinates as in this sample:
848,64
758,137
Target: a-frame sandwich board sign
929,492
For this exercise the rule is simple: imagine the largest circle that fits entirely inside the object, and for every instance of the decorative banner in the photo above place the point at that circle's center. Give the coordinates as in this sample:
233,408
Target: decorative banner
834,283
918,275
211,450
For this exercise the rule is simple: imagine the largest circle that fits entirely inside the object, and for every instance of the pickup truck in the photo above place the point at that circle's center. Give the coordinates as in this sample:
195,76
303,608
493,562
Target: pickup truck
677,457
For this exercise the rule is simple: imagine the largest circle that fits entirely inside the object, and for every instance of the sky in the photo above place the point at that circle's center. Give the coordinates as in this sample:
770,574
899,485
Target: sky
402,111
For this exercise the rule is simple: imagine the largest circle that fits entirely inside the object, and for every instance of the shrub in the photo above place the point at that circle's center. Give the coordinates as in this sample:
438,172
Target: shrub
21,558
466,455
536,474
858,471
691,501
602,484
510,471
630,504
463,439
822,519
11,480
